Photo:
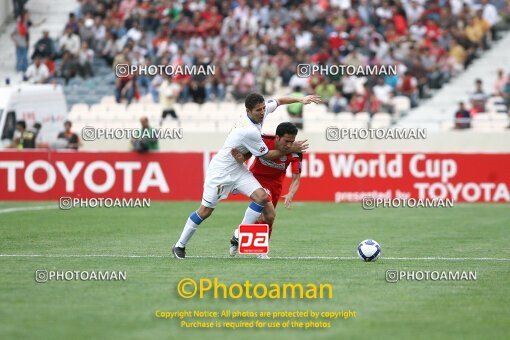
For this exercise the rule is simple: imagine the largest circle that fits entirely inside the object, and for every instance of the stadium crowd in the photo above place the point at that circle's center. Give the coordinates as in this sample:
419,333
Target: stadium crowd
256,46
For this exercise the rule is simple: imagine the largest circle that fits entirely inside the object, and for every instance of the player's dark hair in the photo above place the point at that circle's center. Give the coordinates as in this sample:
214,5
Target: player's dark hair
22,124
286,128
252,100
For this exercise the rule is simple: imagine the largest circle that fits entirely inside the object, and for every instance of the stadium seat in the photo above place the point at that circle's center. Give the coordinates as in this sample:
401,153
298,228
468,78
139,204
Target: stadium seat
98,107
447,125
495,100
317,111
356,124
211,107
481,122
316,126
499,121
107,100
401,105
497,108
78,111
346,117
135,107
380,120
362,117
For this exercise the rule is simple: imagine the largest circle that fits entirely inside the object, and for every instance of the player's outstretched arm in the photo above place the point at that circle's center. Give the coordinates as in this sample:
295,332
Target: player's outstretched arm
286,100
294,186
297,147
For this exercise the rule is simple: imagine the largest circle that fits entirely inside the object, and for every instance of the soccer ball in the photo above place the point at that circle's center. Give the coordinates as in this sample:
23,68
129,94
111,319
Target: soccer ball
369,250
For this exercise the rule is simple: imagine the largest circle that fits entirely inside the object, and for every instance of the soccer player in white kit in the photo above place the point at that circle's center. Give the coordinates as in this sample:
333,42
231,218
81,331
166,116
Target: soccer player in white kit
225,174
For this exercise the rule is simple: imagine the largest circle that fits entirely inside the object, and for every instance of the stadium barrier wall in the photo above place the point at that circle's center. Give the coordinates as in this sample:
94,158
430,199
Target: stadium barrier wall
334,177
448,141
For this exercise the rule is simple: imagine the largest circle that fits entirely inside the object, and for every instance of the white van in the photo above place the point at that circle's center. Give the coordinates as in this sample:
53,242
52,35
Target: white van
32,103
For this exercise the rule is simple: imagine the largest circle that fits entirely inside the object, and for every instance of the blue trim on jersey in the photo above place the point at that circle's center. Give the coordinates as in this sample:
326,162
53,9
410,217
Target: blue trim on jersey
195,218
256,207
254,122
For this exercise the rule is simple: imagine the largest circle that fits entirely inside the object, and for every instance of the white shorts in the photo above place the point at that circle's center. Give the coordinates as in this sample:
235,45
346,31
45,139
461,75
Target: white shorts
218,186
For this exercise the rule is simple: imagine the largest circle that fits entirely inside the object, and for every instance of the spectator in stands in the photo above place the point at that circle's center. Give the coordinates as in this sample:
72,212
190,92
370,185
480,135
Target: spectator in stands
267,75
72,24
70,139
198,82
87,32
384,93
475,33
70,42
506,92
462,117
244,81
414,11
301,82
326,90
44,47
500,83
357,103
108,48
85,59
39,143
338,103
20,39
483,26
125,87
19,7
490,14
295,110
459,54
168,94
38,72
123,57
408,86
68,67
478,98
23,138
147,142
215,87
420,34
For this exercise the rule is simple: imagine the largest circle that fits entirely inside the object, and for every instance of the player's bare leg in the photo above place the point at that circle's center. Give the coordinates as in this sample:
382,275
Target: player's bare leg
194,220
268,216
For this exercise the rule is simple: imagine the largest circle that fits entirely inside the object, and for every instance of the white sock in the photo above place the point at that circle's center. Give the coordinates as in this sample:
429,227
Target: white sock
252,213
189,229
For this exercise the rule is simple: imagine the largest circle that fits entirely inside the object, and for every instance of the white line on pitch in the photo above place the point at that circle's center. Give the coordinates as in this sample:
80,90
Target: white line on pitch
15,209
275,257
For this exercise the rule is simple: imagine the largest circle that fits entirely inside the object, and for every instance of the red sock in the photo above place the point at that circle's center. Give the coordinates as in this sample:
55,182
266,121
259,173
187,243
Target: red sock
261,221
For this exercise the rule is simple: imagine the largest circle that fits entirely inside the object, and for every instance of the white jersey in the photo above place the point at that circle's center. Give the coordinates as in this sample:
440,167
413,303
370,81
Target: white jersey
245,136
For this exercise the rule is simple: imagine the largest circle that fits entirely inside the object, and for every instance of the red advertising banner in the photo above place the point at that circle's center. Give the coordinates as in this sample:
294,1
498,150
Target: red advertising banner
342,177
41,175
335,177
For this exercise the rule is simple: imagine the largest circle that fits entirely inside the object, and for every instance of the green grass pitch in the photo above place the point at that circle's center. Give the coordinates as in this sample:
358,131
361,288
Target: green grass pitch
110,310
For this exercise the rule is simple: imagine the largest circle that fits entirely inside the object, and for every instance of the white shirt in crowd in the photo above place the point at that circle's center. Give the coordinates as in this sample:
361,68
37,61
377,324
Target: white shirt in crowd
36,74
490,13
70,43
383,93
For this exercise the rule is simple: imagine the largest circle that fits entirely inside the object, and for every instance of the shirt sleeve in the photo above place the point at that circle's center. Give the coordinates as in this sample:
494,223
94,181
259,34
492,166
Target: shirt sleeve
254,143
296,163
271,105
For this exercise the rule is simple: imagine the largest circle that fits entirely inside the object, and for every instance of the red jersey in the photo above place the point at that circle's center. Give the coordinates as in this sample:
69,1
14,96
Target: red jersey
274,170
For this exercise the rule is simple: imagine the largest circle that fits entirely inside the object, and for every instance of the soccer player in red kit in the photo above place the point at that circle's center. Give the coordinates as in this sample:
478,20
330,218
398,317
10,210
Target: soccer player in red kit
270,175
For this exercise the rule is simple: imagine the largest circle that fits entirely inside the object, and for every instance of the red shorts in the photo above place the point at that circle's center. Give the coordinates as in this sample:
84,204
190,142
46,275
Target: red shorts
274,189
